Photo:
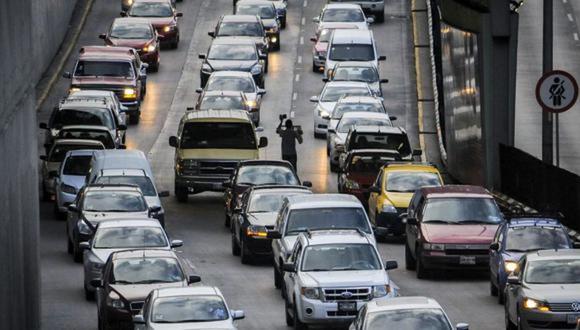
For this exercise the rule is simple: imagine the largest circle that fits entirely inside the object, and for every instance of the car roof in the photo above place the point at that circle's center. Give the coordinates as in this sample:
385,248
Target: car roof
455,191
533,222
227,115
367,115
81,152
241,18
257,162
143,222
342,5
123,172
376,128
322,201
78,142
374,151
113,187
84,128
553,254
227,73
222,93
398,303
335,236
352,36
80,103
360,99
107,53
143,253
410,167
132,20
355,64
279,188
126,156
188,291
345,83
233,41
90,93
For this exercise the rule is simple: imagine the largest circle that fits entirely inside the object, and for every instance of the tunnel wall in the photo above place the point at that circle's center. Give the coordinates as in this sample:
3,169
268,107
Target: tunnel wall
30,34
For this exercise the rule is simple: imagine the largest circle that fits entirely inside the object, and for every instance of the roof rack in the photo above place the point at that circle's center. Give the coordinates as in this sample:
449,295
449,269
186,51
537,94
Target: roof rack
105,185
358,230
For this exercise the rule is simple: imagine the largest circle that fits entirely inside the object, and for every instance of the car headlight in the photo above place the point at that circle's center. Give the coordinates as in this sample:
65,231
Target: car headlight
434,247
388,208
113,300
65,188
149,48
252,103
310,293
206,68
129,93
534,304
273,39
381,290
256,69
256,232
323,113
74,89
97,267
84,228
510,266
168,28
349,184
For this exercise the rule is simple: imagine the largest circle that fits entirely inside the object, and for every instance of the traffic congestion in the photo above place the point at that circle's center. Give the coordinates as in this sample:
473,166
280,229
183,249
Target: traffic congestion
317,250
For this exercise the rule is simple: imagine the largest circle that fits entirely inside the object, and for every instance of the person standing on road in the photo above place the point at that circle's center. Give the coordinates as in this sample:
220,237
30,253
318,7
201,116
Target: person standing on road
289,137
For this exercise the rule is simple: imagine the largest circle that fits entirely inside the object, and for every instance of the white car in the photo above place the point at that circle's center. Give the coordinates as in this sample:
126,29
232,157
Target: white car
71,178
331,275
351,46
404,313
331,93
199,307
343,13
373,8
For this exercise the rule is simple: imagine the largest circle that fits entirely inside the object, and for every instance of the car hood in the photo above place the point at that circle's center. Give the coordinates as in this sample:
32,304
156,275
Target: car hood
513,256
133,43
87,82
365,179
219,65
400,199
216,325
161,21
77,181
262,218
462,234
328,106
103,254
153,201
345,278
223,154
96,217
553,293
134,292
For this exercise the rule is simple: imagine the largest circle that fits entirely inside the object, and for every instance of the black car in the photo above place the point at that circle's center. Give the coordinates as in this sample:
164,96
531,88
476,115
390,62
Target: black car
257,172
233,54
255,216
128,278
242,26
267,12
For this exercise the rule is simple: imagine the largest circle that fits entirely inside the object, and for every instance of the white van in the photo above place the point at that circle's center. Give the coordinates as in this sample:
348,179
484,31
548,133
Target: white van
351,45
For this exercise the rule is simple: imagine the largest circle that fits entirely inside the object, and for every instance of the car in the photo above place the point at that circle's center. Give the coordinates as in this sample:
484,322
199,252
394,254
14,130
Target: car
126,4
331,275
116,69
100,134
137,33
163,17
86,112
404,313
226,100
199,307
128,278
330,94
517,236
255,215
208,146
267,12
51,162
321,39
237,81
358,71
71,178
245,27
348,104
96,203
115,235
281,11
543,293
109,97
450,227
343,13
352,46
319,211
250,173
392,190
372,8
233,54
359,170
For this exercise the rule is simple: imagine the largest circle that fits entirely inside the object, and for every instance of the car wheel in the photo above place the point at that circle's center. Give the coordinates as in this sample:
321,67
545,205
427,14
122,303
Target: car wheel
493,290
289,318
333,168
420,268
235,246
181,194
298,325
246,256
134,118
283,23
277,277
315,68
410,262
266,65
175,43
89,295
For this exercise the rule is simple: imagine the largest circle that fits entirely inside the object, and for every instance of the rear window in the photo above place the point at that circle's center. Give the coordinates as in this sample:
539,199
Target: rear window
523,239
104,69
245,85
352,52
93,117
408,182
77,165
397,142
143,182
343,108
218,136
59,151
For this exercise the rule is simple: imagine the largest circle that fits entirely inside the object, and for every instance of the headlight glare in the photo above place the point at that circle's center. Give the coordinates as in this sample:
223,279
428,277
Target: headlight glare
530,303
129,93
256,232
149,48
510,266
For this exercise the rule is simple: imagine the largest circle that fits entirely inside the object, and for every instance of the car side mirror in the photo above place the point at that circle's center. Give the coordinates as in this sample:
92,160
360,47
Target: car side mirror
393,118
102,36
211,34
238,315
97,283
84,245
123,127
53,174
227,184
73,208
313,39
261,91
138,319
274,234
43,126
382,58
123,14
384,81
263,142
370,20
514,280
199,90
494,246
193,279
176,243
375,189
289,267
462,326
417,152
173,141
178,14
164,193
391,264
307,184
316,19
202,56
314,99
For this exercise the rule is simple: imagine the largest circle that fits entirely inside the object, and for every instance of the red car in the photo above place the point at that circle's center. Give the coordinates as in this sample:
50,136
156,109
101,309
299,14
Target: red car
450,227
162,16
136,33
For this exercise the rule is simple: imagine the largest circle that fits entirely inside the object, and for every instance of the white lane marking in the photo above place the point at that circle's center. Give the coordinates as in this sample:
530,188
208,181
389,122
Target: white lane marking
292,114
304,20
302,40
570,18
299,59
306,3
576,36
297,79
294,96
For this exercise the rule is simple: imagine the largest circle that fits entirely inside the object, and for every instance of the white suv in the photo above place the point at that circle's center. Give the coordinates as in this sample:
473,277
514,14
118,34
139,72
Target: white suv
331,274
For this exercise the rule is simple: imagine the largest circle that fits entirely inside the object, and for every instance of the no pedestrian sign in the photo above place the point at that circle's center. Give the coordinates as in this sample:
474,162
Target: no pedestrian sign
557,91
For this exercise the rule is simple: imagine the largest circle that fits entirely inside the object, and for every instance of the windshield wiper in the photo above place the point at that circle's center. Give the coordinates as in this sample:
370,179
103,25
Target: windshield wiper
318,270
123,282
438,221
152,281
474,221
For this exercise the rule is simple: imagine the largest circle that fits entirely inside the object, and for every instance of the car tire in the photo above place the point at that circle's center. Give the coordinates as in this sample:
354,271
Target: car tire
135,118
289,318
298,325
235,246
410,263
154,67
420,268
333,168
245,255
493,290
283,23
89,295
175,43
277,277
315,68
266,65
181,194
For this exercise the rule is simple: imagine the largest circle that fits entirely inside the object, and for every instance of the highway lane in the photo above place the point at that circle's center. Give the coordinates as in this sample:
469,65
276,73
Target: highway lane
200,222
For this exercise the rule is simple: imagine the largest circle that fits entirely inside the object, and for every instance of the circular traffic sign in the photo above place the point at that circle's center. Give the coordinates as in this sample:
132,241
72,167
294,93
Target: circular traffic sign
557,91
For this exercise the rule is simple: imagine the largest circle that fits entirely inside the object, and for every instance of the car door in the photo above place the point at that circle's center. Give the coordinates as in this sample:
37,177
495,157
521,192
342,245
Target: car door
413,230
73,217
277,245
513,291
495,255
290,279
374,198
239,218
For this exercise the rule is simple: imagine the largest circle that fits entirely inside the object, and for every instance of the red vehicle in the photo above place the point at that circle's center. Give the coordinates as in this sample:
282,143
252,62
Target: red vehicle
162,16
137,33
450,227
359,171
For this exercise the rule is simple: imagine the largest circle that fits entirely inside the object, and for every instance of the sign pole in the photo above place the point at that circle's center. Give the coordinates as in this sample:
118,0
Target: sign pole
557,123
547,59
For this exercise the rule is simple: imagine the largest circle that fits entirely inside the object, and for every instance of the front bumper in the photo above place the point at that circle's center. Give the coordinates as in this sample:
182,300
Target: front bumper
197,184
373,8
132,106
169,37
320,124
63,199
440,260
119,318
319,61
274,39
259,246
326,312
548,320
149,57
390,222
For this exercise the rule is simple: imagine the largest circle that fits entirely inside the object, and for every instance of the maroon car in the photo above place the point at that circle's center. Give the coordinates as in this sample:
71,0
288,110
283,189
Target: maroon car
450,227
162,16
136,33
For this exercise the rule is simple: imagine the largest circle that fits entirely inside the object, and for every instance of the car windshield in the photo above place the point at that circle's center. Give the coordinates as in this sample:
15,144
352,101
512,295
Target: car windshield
114,201
234,84
263,11
352,52
151,9
337,257
409,319
104,69
240,29
129,238
461,210
59,151
342,15
143,182
89,117
327,218
77,165
266,174
408,182
397,142
369,163
368,75
268,202
131,31
222,103
102,136
232,53
553,272
530,238
183,309
343,108
218,136
346,124
146,270
333,93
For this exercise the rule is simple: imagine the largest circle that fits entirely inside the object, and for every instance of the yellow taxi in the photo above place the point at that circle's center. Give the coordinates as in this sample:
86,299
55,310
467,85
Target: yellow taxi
392,191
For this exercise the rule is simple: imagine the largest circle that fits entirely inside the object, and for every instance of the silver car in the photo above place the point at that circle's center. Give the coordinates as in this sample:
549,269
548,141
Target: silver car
71,178
236,81
544,291
358,71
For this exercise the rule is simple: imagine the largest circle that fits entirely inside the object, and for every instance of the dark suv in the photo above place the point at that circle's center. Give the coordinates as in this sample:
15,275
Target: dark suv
244,27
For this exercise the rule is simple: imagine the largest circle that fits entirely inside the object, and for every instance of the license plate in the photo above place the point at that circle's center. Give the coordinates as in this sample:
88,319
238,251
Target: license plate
347,306
467,260
573,318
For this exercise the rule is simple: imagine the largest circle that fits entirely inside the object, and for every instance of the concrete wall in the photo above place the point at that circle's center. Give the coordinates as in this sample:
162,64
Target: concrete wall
30,35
